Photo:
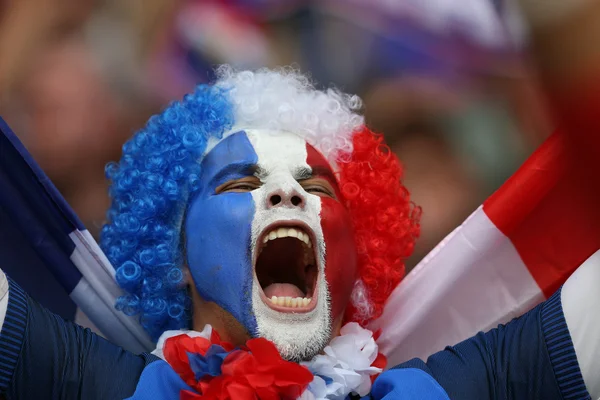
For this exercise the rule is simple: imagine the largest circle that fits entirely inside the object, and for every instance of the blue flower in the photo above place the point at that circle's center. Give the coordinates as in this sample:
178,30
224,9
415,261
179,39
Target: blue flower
209,364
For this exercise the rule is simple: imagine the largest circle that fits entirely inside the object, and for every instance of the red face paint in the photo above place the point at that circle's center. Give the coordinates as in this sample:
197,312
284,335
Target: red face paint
340,248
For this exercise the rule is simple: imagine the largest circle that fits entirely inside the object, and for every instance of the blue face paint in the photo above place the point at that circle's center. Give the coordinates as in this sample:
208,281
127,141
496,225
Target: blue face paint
218,230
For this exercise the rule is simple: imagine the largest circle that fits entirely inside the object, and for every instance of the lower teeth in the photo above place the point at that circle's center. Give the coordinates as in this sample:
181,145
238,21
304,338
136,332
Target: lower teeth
294,302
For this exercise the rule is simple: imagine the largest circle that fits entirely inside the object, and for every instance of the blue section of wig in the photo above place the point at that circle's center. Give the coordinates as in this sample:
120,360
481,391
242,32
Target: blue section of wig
151,185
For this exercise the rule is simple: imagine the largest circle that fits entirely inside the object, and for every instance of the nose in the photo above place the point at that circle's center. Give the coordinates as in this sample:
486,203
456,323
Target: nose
291,199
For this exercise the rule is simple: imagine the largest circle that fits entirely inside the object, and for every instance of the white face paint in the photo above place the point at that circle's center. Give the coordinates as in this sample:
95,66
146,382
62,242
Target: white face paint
280,156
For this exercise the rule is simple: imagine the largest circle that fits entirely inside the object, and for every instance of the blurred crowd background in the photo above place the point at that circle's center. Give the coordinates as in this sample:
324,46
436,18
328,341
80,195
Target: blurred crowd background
448,82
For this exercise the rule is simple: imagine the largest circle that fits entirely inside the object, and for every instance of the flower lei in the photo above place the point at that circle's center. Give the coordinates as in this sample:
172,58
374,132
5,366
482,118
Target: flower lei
216,370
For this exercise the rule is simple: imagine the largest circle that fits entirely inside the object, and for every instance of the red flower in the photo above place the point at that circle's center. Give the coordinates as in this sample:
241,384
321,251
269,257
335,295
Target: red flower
176,351
256,371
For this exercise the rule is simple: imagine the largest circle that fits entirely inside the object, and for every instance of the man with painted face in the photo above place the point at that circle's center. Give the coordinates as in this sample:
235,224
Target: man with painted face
247,208
256,225
239,203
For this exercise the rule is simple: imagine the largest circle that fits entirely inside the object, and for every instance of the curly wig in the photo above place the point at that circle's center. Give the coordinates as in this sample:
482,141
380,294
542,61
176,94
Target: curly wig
159,170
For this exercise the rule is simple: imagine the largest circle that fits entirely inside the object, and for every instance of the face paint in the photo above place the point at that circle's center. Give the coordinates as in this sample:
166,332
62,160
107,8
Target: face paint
282,159
217,229
340,259
227,232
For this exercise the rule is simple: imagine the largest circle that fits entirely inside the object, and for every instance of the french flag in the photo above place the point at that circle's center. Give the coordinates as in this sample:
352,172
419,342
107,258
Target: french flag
47,250
511,254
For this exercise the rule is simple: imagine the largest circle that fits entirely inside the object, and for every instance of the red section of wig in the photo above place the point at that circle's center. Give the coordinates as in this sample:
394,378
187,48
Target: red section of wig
386,222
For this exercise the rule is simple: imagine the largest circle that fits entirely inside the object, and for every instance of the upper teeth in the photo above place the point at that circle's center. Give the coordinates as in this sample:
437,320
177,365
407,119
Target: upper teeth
288,232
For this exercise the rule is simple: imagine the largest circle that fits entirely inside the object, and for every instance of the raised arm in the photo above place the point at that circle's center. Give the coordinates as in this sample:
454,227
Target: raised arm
580,304
552,352
43,356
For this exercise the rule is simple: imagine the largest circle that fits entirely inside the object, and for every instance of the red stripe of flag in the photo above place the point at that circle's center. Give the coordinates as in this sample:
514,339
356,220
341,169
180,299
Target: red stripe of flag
549,210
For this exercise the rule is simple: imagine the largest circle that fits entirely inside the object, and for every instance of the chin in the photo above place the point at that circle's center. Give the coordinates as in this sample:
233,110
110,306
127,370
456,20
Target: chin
297,336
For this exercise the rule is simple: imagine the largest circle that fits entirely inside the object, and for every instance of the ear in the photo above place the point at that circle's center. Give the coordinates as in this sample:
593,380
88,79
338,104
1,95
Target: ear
187,281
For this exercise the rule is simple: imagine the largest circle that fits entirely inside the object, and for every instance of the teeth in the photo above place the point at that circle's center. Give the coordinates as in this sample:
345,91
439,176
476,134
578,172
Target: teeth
291,302
288,232
303,236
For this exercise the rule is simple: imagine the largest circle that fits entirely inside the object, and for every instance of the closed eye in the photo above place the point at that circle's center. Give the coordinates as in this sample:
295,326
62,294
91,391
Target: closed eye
242,185
319,187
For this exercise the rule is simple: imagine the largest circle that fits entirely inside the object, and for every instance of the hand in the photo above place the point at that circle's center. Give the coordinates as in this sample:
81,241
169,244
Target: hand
406,384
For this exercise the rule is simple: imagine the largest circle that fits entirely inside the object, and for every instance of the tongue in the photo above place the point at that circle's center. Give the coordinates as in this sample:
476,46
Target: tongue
283,290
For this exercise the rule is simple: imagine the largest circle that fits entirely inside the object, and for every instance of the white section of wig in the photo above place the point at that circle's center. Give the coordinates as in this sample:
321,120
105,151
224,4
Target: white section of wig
284,99
360,300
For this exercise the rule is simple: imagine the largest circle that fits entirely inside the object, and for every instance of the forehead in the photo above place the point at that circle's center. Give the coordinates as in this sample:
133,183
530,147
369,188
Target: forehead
267,150
276,149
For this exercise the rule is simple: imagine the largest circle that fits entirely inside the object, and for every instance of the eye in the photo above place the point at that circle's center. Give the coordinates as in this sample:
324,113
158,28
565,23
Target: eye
319,187
242,185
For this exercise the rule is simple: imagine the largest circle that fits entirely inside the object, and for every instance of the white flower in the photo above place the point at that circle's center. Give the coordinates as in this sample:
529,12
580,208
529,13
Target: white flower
346,363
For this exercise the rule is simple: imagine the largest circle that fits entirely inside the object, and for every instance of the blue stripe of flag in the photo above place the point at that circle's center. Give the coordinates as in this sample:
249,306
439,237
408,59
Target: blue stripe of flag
35,223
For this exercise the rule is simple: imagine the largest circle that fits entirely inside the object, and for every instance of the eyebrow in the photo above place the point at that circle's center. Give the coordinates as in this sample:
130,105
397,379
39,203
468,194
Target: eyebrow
304,173
235,169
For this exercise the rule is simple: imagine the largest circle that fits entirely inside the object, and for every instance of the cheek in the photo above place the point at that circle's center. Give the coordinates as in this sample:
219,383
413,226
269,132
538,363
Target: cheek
218,232
340,257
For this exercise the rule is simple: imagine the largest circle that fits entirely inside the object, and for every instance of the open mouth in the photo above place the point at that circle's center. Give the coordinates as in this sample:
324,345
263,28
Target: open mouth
286,269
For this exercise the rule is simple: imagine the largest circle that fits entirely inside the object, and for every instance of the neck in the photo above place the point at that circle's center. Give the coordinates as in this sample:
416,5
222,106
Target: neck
209,313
